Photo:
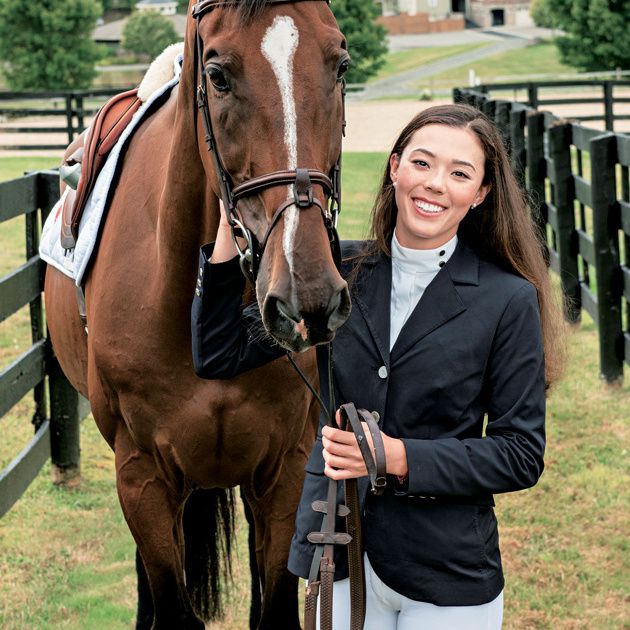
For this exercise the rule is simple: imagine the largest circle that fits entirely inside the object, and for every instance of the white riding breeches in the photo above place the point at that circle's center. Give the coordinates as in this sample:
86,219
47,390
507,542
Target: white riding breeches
388,610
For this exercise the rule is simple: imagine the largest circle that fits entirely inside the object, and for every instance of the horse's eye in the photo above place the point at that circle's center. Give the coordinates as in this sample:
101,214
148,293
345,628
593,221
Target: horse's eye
342,68
217,78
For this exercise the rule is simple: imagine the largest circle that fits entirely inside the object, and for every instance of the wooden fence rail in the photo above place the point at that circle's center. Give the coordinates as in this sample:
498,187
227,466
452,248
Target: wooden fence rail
72,106
578,181
534,96
36,370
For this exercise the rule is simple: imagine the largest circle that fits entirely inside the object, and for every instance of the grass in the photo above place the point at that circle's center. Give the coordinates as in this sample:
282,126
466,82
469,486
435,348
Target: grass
67,559
542,58
403,60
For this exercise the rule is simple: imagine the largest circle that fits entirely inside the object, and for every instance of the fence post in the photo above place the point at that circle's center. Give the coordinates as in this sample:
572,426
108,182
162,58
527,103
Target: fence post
532,95
606,223
502,120
69,118
489,108
609,115
79,110
536,167
559,134
517,142
65,449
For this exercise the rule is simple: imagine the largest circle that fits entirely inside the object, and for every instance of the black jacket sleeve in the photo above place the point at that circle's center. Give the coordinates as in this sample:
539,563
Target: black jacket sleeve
510,456
227,338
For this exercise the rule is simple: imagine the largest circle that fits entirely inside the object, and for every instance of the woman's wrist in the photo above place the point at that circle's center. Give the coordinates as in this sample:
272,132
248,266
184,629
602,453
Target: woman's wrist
224,245
396,456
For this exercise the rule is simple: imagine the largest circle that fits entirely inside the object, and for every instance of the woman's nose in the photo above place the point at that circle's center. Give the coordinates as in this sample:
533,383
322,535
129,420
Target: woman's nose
435,181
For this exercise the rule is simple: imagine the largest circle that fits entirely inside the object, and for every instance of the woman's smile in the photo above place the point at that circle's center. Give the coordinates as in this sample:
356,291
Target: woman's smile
427,207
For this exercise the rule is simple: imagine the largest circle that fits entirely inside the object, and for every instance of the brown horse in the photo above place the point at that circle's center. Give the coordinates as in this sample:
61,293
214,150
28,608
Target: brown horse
275,100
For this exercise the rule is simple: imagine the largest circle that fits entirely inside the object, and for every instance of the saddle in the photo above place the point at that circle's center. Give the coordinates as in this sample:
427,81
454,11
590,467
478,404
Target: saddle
86,155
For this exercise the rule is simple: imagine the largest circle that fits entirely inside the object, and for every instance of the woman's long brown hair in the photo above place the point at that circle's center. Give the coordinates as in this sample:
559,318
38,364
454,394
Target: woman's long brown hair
501,229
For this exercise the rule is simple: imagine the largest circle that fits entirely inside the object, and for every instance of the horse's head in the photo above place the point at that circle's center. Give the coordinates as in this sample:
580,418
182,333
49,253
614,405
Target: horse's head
272,78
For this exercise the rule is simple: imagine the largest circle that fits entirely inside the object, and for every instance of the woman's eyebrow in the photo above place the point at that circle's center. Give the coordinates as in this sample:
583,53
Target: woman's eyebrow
431,154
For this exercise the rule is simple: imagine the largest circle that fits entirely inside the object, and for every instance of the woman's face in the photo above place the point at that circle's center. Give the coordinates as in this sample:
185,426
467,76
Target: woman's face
437,178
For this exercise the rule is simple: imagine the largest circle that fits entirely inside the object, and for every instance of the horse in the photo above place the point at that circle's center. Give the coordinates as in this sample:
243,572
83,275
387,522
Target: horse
269,73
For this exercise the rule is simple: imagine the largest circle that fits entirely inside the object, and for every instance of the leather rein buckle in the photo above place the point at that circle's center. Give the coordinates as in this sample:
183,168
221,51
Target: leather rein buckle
376,465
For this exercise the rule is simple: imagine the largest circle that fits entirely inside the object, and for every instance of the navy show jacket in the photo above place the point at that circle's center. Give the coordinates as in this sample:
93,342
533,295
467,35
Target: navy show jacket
471,349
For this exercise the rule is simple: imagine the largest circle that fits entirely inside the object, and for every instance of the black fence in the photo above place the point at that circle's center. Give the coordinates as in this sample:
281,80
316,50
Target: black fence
70,108
540,95
58,407
578,178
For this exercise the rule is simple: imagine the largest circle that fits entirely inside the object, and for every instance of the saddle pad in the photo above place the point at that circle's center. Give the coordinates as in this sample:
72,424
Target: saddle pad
74,262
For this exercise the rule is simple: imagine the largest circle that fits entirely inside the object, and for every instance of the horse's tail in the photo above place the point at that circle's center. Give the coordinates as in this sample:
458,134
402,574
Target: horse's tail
255,607
208,532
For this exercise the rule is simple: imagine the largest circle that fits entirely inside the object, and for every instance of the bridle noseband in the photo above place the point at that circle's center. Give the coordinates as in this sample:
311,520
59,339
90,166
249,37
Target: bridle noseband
301,179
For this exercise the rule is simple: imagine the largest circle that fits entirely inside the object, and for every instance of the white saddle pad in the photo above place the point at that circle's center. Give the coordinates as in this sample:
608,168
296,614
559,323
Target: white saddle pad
74,262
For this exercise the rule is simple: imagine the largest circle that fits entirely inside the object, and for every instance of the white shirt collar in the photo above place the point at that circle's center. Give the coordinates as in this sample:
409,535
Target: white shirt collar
422,260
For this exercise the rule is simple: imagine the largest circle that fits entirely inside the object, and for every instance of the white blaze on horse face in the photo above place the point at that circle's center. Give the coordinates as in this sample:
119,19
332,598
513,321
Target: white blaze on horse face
278,47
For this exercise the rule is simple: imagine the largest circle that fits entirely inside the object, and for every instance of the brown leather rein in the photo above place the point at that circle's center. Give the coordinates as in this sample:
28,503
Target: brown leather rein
302,179
320,581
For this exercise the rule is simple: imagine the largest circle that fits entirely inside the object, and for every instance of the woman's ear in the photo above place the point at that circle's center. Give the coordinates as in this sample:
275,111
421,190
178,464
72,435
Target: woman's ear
482,193
394,163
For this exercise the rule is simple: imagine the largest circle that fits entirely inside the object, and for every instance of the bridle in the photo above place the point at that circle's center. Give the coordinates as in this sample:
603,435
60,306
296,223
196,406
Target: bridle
301,179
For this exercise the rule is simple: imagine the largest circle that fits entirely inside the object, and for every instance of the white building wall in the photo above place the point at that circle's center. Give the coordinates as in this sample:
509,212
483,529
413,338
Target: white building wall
523,18
435,8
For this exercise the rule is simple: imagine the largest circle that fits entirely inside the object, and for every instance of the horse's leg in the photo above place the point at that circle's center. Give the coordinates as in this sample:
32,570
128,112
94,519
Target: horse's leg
144,616
152,510
255,607
274,515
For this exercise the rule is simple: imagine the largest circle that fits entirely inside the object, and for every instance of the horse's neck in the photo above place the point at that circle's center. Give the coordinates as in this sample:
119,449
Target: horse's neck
188,213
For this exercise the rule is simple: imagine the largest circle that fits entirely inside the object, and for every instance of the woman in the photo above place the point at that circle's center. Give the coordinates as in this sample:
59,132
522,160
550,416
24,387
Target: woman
452,322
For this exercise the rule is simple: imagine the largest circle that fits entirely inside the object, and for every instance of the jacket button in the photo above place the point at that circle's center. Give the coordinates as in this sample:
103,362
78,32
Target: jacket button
198,292
201,272
382,371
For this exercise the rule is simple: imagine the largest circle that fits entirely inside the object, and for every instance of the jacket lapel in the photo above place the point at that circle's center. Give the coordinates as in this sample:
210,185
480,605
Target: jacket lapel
372,295
441,301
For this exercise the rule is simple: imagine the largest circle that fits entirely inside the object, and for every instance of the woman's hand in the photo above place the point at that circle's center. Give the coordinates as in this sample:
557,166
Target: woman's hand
224,249
343,458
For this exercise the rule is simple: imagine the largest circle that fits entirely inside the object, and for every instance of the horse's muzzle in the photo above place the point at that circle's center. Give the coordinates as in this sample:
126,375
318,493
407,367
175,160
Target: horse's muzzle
298,329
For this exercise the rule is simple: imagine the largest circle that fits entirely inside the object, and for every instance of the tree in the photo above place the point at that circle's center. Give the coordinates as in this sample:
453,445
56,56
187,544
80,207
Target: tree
366,39
542,14
597,32
119,5
148,33
47,45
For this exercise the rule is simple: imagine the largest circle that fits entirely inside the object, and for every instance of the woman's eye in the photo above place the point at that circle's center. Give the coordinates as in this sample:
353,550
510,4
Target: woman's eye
420,163
461,174
342,68
217,78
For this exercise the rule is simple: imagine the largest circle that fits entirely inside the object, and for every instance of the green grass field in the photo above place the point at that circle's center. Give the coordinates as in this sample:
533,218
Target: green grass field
67,559
403,60
542,58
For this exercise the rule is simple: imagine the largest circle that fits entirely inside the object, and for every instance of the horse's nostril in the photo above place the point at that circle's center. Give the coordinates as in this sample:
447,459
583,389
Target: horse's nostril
338,309
287,311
